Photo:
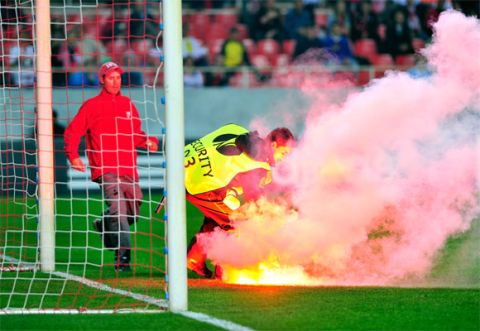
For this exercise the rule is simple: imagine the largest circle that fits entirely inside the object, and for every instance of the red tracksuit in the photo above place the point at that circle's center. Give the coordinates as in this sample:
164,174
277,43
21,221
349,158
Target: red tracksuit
113,132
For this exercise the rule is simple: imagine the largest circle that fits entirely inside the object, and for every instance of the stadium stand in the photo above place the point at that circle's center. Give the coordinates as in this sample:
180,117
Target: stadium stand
210,24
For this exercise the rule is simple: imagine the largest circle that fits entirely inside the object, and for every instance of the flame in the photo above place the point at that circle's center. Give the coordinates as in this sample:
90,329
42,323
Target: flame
270,273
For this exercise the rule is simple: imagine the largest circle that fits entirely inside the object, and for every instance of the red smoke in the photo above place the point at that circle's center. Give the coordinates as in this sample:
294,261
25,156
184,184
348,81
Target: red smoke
379,182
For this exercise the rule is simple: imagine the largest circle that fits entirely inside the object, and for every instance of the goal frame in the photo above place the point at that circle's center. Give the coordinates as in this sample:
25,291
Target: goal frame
175,140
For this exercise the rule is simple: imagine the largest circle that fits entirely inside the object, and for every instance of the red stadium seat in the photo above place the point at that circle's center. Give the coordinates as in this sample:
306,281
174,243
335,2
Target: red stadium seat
199,19
117,50
268,47
260,61
141,48
418,44
227,20
250,46
214,48
364,77
289,47
216,31
405,60
281,60
242,31
199,25
366,48
198,32
382,62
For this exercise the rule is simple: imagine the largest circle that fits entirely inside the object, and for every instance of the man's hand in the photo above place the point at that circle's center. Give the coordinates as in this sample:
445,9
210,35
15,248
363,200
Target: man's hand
231,200
78,165
152,145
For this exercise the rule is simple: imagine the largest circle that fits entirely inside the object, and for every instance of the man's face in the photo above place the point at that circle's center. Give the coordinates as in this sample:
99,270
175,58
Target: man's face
280,152
112,82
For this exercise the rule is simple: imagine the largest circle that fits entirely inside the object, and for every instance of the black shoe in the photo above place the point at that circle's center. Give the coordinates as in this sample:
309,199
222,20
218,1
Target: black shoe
97,224
201,270
123,268
124,256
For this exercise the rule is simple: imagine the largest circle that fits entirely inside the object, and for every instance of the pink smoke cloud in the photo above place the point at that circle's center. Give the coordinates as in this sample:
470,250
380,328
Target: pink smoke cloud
379,182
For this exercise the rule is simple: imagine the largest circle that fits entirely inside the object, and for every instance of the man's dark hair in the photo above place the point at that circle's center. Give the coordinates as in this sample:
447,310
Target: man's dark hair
252,144
282,136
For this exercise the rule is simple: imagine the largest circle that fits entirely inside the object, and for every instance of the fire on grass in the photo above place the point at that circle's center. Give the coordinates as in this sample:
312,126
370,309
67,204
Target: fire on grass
270,273
277,216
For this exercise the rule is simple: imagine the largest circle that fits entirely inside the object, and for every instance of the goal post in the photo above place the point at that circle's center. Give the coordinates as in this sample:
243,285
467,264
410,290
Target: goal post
52,257
46,188
175,141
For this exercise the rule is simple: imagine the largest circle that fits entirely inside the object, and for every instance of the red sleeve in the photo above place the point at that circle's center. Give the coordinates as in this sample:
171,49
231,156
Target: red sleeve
251,183
74,132
140,136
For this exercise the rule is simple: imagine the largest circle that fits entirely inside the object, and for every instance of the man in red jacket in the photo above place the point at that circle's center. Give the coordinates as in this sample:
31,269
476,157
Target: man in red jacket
113,131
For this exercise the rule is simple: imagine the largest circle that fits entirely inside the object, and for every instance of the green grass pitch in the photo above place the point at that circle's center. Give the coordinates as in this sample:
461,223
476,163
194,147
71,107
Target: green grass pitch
452,303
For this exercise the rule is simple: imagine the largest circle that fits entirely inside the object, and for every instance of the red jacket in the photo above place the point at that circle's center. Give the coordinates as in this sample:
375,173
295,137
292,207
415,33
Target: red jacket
113,132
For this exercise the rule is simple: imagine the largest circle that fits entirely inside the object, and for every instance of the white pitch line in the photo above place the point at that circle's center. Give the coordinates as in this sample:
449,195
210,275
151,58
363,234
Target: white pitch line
227,325
96,285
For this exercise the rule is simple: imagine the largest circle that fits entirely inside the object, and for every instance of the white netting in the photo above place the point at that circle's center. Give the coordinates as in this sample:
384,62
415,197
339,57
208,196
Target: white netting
85,34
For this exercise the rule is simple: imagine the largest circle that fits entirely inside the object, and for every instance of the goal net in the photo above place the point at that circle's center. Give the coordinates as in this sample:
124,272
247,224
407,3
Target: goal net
84,34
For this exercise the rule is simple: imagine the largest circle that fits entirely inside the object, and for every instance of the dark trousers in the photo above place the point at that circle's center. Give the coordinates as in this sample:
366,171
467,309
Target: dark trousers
123,197
195,254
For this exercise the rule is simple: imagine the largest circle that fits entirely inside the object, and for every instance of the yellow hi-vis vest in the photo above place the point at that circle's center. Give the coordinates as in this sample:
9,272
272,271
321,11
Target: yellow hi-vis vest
212,161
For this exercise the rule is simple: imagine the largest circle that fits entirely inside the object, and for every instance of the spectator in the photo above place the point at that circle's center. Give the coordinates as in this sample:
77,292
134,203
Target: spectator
92,54
58,70
268,23
208,4
223,170
467,7
308,41
411,12
340,16
193,48
297,21
233,55
115,26
113,131
421,69
71,59
338,45
58,128
191,77
310,6
131,59
399,35
433,14
365,22
21,60
142,24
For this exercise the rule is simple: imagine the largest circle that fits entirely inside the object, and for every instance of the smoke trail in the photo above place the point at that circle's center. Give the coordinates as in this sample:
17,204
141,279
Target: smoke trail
379,184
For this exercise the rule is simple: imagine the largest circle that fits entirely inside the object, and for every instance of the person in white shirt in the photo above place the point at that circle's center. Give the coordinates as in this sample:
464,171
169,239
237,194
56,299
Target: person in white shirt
191,77
21,62
193,48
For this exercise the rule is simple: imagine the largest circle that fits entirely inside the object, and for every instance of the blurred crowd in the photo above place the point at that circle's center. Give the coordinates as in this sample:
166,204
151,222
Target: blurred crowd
223,37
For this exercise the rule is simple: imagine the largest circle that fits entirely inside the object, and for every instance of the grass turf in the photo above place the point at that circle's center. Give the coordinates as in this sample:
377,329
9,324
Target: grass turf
261,308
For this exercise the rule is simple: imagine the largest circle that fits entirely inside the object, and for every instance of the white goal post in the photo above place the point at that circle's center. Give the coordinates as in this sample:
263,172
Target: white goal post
31,267
175,141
